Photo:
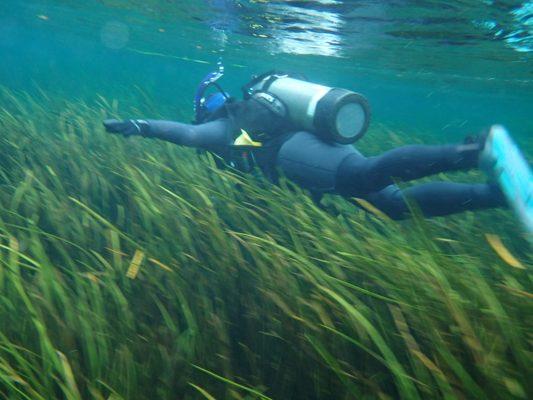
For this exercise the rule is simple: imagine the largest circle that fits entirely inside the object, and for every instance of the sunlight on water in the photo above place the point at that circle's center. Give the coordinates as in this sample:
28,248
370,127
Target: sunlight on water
522,38
115,35
442,53
309,32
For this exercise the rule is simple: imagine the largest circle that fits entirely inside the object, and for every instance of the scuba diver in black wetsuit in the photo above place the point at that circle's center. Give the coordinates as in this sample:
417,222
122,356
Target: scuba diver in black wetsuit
306,131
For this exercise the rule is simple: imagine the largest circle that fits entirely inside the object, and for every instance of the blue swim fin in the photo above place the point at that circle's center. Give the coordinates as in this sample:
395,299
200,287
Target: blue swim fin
502,159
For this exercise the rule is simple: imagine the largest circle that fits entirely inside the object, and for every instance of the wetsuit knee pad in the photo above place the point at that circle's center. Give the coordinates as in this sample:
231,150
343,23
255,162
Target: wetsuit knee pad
390,200
352,179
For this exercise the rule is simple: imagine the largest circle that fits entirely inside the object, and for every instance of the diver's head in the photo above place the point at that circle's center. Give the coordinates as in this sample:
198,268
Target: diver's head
214,101
205,105
210,106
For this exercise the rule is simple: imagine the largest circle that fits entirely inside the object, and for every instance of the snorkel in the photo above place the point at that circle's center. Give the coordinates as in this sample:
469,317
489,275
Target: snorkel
203,105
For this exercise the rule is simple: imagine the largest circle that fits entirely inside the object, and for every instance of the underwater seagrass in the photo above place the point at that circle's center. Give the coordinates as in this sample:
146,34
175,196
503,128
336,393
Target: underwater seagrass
134,274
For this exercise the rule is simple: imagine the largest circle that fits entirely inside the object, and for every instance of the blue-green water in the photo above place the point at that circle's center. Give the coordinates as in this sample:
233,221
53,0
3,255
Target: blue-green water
434,68
129,270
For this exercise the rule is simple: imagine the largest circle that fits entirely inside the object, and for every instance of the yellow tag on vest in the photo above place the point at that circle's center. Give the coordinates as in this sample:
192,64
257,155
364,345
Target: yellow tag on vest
244,139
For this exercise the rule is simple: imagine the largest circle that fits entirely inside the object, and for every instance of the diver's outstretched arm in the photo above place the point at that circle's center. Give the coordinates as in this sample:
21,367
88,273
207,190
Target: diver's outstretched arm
209,136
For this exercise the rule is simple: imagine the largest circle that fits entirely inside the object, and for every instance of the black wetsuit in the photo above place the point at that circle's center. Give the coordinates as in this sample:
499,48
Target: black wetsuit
323,167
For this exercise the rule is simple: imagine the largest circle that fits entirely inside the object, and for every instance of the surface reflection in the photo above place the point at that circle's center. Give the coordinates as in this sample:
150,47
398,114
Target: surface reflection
302,29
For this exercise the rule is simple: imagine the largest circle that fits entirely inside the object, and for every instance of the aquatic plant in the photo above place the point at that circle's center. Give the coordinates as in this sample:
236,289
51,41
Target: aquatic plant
131,269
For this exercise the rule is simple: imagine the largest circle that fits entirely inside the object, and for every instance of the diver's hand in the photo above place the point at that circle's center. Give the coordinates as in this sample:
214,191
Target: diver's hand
127,127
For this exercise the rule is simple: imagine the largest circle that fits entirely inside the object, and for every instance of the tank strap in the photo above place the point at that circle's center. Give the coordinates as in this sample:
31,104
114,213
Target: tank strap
246,89
272,102
270,80
269,77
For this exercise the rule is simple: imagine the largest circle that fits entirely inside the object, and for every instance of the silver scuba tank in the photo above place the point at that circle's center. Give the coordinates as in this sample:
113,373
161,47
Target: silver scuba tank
337,115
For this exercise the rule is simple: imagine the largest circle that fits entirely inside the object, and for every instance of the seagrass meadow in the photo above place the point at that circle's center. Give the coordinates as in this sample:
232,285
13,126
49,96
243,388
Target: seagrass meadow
132,269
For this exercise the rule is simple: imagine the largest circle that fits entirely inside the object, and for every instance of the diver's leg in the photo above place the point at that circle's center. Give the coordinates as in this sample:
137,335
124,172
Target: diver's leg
437,198
358,175
312,163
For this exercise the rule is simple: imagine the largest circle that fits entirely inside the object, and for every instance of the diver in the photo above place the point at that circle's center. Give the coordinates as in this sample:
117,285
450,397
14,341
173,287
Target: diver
306,131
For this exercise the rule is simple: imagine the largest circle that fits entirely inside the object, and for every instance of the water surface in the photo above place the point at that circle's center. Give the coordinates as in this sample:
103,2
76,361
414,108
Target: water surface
431,67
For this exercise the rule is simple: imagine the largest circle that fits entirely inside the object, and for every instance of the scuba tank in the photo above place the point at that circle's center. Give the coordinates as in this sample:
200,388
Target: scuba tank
335,115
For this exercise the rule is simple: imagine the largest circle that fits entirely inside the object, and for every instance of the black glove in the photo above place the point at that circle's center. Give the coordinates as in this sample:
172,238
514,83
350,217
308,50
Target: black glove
127,127
480,139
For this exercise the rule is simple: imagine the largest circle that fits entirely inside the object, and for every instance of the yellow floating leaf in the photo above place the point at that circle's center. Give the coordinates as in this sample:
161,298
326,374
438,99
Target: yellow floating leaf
135,264
68,375
15,251
297,318
120,253
12,374
160,264
92,277
202,391
517,292
497,245
52,172
428,363
372,209
403,328
14,244
446,240
280,303
514,387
